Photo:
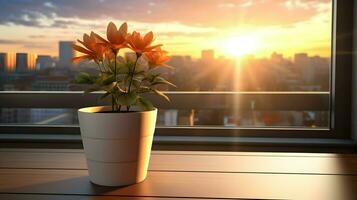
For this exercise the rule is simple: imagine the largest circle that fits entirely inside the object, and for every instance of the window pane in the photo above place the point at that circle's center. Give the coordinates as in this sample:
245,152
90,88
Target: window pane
234,45
180,118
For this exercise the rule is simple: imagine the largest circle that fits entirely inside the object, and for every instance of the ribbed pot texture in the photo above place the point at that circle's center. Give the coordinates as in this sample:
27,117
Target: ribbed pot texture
117,145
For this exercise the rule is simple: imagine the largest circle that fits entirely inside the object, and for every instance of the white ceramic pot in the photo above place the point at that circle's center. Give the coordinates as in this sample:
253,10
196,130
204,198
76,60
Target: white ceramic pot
117,145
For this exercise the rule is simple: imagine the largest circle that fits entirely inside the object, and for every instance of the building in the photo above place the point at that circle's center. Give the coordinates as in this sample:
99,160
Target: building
44,61
207,55
2,62
21,62
66,53
177,61
15,115
7,62
277,58
303,63
51,83
25,62
301,58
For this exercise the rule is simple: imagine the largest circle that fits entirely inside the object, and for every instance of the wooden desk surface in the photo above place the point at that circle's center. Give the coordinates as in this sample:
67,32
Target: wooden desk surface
62,175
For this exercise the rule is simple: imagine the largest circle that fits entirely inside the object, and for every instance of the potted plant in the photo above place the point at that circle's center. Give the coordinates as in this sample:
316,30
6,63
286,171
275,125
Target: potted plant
117,139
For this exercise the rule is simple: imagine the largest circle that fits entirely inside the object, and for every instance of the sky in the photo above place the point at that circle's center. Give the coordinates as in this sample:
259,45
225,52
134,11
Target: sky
184,27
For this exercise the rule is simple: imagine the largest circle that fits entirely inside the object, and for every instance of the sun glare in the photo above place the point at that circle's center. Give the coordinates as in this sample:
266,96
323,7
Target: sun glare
240,46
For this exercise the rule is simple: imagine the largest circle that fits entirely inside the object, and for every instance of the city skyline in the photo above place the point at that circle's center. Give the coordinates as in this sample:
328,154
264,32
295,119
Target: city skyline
9,60
274,73
233,28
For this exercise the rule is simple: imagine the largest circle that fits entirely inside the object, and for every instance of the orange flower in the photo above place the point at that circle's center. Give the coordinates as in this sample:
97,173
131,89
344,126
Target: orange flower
157,57
141,44
93,48
116,37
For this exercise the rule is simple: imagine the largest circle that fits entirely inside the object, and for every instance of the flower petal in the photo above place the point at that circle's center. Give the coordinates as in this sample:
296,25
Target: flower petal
148,38
99,38
80,58
111,32
152,47
81,42
81,49
119,46
86,39
123,30
137,40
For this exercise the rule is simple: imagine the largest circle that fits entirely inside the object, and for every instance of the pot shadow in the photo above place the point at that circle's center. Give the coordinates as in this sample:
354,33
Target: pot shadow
74,186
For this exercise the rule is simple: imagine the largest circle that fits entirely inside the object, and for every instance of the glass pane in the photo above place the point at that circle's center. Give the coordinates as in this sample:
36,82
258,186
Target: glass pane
234,45
180,118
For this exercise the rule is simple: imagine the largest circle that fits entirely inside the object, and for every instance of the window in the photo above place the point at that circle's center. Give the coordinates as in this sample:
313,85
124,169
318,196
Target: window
249,68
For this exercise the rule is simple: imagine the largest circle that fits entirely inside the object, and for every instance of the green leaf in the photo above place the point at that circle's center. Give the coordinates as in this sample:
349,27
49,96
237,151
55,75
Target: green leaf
84,78
111,66
125,66
162,81
127,98
161,94
144,104
144,89
139,74
122,69
136,83
150,77
106,80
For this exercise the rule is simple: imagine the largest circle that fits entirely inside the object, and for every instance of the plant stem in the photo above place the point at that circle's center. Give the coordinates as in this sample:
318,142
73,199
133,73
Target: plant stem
100,69
113,102
115,76
132,73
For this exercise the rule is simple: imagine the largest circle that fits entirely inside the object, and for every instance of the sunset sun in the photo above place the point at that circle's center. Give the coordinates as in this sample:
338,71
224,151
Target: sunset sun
240,46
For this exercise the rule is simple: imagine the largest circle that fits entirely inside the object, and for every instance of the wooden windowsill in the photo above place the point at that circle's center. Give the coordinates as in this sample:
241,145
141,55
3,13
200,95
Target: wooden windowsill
62,174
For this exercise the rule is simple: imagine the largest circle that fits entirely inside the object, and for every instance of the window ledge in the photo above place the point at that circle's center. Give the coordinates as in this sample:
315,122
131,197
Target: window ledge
211,143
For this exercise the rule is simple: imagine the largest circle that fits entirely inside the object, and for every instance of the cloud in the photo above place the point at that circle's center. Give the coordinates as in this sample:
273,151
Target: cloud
64,23
247,3
183,26
22,12
37,36
188,34
49,4
27,43
226,5
218,13
30,45
5,41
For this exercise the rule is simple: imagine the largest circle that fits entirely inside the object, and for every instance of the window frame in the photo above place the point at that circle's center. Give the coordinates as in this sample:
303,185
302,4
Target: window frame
339,102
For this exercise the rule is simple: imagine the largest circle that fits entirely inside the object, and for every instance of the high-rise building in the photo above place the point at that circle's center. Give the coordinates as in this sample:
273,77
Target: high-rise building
7,62
66,53
276,57
2,62
307,70
44,61
301,58
25,62
21,62
207,55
